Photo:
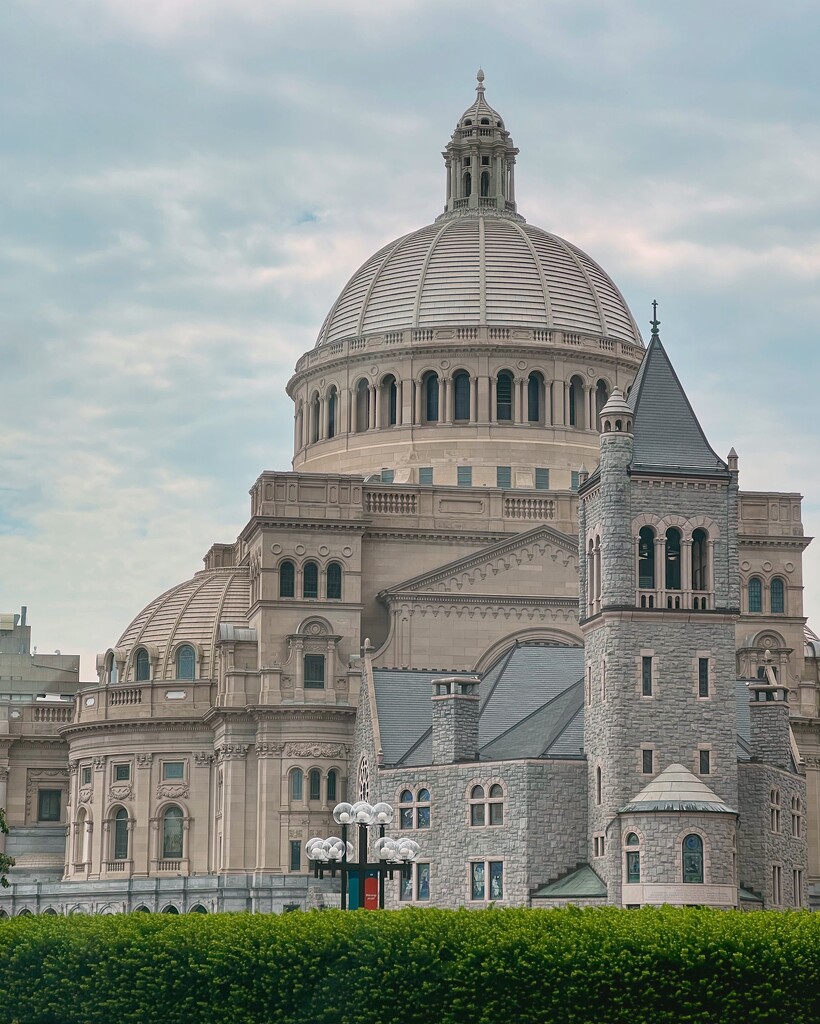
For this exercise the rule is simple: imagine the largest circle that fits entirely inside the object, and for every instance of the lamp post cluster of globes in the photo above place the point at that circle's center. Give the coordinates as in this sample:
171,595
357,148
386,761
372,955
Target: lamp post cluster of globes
336,853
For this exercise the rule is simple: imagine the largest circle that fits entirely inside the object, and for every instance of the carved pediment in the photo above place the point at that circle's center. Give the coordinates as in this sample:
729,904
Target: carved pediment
539,563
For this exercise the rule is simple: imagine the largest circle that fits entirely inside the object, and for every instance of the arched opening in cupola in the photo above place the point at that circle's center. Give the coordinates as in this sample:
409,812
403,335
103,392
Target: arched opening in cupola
430,397
646,558
536,390
332,404
362,406
601,397
673,550
485,184
468,185
504,397
461,396
576,403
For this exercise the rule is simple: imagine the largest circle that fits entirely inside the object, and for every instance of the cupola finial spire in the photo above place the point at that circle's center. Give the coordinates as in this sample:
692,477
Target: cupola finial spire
655,322
479,77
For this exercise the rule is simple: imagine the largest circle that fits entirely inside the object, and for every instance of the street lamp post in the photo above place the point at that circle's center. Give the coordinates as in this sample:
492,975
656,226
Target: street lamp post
336,854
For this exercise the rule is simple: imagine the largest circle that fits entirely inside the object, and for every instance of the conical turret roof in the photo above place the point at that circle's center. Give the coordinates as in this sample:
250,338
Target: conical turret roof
676,789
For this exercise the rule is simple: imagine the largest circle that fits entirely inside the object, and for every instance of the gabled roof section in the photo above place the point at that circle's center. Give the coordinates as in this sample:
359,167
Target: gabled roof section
582,883
676,789
668,436
485,557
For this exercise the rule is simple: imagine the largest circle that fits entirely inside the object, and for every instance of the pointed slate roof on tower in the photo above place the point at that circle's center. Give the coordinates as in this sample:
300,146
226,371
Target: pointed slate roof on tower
667,434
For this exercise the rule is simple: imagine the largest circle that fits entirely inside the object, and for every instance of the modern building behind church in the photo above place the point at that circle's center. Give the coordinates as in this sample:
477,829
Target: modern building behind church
507,586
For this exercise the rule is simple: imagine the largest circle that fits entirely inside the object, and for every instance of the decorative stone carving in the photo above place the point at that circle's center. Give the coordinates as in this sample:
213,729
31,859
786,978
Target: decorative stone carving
232,752
169,791
315,750
144,760
203,759
73,766
120,792
4,773
99,764
269,749
84,795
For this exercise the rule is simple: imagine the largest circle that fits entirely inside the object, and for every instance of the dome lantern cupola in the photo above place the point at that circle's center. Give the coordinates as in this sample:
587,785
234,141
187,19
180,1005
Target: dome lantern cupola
480,161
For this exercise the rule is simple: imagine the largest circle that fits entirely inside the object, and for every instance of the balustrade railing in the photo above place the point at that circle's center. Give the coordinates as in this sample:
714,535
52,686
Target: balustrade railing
53,714
534,509
121,698
392,502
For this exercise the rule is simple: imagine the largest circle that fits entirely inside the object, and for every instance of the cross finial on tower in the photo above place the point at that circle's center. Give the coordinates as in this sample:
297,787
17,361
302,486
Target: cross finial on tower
480,79
655,322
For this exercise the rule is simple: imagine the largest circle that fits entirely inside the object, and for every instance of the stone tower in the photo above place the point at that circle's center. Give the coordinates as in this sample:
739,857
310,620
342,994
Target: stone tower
659,598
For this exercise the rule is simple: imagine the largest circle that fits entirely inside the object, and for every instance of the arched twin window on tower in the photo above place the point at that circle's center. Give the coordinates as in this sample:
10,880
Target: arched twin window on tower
681,584
756,591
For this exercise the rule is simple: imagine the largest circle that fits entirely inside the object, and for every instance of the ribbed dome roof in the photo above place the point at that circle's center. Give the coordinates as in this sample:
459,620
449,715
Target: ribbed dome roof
480,270
191,612
480,109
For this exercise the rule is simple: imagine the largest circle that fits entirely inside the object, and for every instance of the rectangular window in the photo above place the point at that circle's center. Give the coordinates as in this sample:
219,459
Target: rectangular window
48,804
647,760
777,884
478,881
122,772
646,676
173,770
415,885
797,891
314,671
387,476
542,479
705,758
426,476
295,855
406,817
422,881
503,476
464,476
633,866
576,480
423,817
703,677
598,846
85,778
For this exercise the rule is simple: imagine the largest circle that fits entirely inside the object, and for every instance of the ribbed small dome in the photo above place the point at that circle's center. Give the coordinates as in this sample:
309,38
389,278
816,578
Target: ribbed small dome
191,612
480,270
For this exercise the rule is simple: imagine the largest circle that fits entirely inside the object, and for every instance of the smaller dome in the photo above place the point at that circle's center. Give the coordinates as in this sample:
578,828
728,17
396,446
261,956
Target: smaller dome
480,112
615,411
190,613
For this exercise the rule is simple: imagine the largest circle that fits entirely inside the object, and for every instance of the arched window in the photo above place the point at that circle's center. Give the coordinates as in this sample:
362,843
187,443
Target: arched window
700,576
296,784
778,596
673,539
590,576
111,669
332,404
121,834
310,580
430,385
186,662
601,397
755,594
414,811
633,858
486,806
172,833
197,908
391,394
143,667
646,558
693,859
170,909
468,185
485,183
362,406
503,396
535,395
81,839
332,784
315,784
314,417
334,582
461,393
576,402
287,579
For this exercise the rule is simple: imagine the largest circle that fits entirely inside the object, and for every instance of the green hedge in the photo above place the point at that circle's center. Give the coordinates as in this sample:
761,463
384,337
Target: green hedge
413,967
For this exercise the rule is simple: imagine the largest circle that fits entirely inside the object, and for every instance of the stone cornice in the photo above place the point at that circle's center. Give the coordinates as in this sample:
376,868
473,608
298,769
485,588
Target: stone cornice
295,523
746,540
623,613
74,731
495,600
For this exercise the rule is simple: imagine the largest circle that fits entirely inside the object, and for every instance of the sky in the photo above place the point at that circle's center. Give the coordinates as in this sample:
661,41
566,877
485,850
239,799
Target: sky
186,185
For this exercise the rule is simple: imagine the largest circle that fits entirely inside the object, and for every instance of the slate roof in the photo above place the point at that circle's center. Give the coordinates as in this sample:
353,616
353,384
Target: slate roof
582,883
532,706
676,789
667,434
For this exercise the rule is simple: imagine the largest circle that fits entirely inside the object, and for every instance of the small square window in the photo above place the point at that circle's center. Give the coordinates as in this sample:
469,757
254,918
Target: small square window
485,161
648,761
705,759
85,778
542,479
48,804
426,476
173,770
387,476
503,476
314,671
464,476
122,772
465,161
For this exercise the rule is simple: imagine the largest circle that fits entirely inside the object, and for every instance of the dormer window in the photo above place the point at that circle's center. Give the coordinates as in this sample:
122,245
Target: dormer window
467,122
143,666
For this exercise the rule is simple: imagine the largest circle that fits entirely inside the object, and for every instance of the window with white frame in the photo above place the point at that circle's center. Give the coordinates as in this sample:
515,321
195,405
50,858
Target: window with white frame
487,805
487,880
414,808
415,886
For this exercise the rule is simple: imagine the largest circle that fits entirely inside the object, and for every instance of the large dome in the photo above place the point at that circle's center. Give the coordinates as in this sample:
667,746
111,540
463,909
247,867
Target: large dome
486,269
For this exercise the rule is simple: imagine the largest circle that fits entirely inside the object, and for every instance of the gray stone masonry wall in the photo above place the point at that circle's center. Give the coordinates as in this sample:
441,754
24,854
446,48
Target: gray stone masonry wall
455,727
543,834
770,732
614,520
661,848
759,848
